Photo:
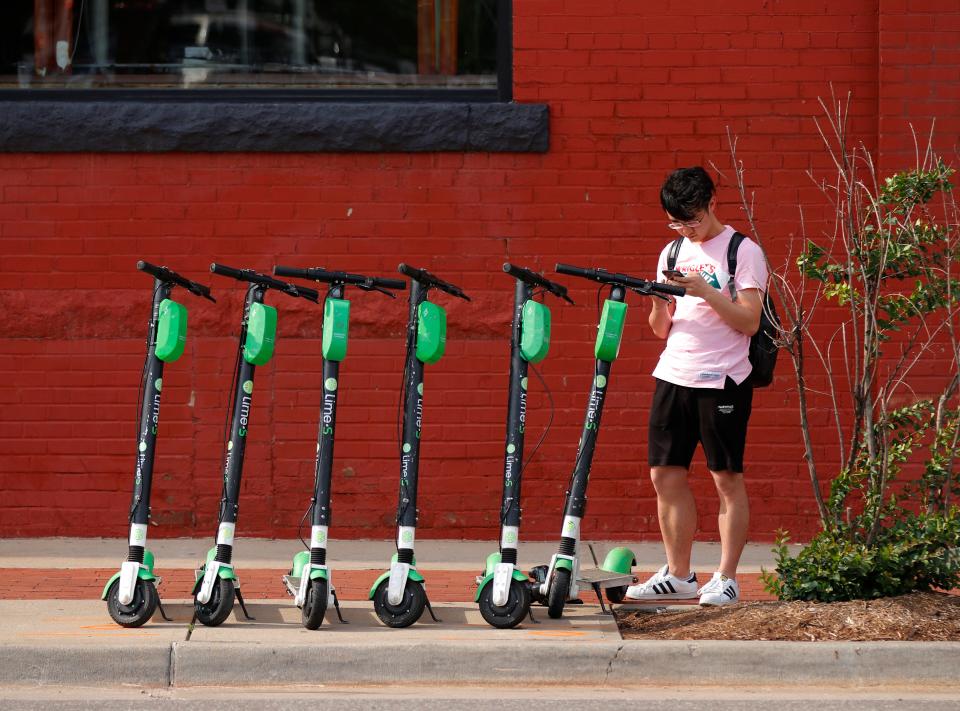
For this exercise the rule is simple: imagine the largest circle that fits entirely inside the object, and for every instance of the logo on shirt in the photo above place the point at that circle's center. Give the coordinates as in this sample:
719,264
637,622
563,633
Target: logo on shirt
714,275
725,409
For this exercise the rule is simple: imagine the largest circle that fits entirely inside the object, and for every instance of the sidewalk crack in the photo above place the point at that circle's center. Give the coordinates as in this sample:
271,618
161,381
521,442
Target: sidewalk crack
610,664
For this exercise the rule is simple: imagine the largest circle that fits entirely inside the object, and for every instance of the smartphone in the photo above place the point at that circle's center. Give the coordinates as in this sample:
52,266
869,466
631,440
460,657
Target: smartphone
672,273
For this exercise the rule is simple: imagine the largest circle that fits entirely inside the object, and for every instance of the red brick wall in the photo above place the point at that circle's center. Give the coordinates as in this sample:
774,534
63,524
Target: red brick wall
633,93
919,80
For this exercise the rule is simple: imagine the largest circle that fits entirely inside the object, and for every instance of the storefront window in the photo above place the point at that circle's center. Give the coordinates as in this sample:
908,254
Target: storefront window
249,44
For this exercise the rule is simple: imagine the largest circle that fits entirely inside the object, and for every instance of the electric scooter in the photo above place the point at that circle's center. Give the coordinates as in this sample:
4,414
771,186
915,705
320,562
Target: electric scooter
310,580
131,594
503,591
559,581
216,582
399,595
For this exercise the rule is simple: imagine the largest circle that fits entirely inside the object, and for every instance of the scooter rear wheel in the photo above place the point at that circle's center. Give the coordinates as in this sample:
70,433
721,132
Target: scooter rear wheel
512,613
409,610
559,590
315,606
220,605
617,594
140,609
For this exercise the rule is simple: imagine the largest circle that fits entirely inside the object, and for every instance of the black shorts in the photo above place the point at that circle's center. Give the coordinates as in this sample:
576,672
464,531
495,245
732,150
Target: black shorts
680,417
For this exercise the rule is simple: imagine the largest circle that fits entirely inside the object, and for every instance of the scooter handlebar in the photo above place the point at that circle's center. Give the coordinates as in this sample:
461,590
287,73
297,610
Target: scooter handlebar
255,277
330,277
428,280
641,286
534,279
168,275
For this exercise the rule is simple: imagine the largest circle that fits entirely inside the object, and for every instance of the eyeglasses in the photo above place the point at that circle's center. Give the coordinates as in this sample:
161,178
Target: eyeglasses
690,225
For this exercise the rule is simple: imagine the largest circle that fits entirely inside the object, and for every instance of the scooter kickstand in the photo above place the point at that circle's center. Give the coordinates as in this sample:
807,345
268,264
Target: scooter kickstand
533,619
336,605
430,608
603,609
243,607
163,613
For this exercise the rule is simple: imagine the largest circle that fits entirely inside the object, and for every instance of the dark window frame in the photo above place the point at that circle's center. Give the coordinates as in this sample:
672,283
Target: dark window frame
279,120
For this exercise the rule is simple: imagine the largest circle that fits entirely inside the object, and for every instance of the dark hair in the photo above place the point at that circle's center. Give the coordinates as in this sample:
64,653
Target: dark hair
687,191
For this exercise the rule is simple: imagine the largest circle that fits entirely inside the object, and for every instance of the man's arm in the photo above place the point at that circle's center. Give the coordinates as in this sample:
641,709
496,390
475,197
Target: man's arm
661,317
742,315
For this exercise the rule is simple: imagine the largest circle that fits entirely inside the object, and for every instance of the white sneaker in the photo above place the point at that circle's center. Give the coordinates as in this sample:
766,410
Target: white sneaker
663,586
721,590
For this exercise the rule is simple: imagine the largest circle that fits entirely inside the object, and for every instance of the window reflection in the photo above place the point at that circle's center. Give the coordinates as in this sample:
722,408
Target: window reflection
248,43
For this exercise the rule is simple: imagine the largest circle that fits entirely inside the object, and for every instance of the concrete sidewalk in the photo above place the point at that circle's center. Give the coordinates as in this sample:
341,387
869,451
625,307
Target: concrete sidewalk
343,555
75,643
52,640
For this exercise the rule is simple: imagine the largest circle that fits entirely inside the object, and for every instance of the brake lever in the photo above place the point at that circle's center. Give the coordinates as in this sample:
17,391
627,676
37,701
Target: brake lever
374,287
648,291
294,291
199,292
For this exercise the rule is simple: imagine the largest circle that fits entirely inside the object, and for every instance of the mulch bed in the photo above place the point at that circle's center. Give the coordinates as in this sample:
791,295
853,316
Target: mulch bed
922,616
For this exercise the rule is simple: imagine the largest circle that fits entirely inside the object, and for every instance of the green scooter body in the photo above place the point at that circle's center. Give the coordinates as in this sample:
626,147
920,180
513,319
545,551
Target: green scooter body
225,571
414,575
145,573
300,561
492,560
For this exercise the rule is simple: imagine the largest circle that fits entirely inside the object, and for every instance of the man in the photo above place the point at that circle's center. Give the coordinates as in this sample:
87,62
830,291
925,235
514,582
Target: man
702,394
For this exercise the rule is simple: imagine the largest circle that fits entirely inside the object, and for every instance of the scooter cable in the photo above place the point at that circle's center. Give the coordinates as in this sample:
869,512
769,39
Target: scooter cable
300,526
226,419
143,385
543,436
402,509
596,371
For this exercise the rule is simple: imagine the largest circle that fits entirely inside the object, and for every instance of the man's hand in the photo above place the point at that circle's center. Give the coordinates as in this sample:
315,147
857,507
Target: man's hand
695,285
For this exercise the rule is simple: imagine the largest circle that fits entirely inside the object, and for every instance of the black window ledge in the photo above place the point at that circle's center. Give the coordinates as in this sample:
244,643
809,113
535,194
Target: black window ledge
54,125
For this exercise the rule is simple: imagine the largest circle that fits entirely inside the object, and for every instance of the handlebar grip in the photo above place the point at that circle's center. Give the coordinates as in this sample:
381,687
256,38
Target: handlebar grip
308,293
151,269
574,271
514,271
226,271
290,272
668,289
411,272
398,284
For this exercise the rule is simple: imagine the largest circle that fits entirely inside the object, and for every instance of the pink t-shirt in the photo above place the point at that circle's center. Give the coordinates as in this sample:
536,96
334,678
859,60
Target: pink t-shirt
702,350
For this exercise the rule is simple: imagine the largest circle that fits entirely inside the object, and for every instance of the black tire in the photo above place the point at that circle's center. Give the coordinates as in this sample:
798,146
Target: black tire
511,614
559,590
220,605
617,594
315,606
140,609
407,612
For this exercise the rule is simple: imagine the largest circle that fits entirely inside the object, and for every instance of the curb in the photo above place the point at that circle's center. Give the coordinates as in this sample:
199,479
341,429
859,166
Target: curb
85,666
631,662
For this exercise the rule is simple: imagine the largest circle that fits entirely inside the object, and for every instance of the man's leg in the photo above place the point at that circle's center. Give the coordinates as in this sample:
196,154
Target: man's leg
733,520
677,512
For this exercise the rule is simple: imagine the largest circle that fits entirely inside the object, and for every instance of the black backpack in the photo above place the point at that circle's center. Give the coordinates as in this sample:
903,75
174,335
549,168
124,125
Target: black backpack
763,344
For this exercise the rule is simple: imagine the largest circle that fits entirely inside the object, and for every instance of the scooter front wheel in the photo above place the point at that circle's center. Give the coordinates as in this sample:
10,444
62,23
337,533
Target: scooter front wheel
512,613
315,606
220,605
407,612
140,609
559,590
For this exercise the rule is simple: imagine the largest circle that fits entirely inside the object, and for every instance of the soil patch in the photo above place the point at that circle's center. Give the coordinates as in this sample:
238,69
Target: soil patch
922,616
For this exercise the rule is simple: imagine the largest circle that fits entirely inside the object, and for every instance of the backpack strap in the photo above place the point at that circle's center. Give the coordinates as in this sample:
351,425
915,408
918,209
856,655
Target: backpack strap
674,252
732,249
